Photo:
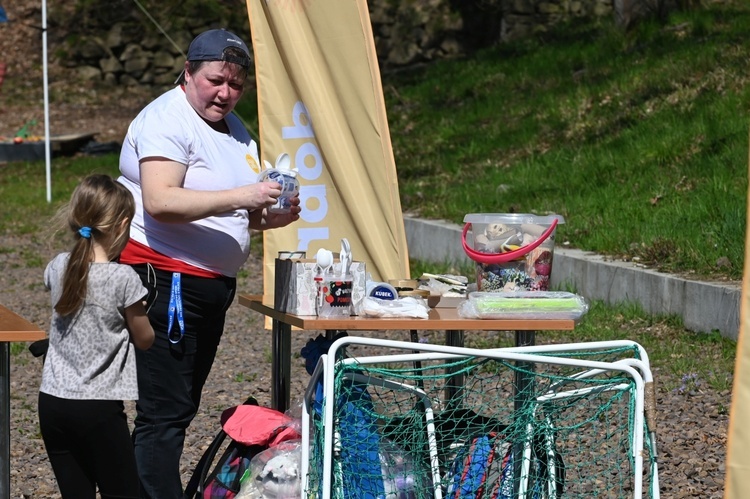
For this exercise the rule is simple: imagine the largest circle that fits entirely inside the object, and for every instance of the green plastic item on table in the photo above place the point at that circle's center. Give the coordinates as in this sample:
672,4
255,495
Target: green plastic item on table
505,303
527,304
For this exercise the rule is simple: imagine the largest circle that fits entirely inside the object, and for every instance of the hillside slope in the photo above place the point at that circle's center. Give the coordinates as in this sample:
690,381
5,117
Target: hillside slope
75,106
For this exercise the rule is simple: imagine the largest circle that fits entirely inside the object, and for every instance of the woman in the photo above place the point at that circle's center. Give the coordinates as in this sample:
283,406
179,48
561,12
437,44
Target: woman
192,168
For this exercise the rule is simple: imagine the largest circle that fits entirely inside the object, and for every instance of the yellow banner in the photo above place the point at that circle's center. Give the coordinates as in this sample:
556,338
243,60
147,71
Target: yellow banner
320,100
737,482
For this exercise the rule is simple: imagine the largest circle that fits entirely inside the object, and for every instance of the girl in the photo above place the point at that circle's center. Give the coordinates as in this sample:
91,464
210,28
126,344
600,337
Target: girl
98,318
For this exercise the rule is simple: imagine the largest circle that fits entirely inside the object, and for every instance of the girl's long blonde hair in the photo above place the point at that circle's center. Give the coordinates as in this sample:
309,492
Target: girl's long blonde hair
100,204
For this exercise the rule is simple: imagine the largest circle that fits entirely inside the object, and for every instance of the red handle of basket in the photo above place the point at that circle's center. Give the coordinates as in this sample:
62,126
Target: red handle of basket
508,256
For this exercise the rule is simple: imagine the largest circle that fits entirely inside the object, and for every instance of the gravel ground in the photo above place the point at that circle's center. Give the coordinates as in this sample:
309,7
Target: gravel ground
691,429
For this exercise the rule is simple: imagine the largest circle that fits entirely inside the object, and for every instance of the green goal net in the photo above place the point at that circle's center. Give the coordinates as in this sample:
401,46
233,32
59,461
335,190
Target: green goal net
392,420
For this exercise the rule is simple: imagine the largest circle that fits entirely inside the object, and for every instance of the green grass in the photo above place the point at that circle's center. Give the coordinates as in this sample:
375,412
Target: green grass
23,189
639,139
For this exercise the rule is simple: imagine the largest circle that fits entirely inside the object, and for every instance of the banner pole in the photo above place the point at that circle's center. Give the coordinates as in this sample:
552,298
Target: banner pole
47,152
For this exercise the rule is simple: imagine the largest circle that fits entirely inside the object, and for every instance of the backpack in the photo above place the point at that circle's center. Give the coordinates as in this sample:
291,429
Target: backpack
224,481
251,429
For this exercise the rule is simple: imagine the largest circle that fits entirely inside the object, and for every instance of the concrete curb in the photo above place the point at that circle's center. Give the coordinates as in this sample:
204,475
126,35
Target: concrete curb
703,306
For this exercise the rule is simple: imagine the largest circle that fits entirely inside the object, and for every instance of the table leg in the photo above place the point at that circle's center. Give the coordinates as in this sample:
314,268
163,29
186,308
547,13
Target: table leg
523,382
414,336
5,420
281,364
453,338
523,339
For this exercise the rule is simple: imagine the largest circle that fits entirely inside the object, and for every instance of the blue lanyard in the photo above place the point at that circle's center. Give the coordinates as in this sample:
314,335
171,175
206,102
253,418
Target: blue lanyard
175,307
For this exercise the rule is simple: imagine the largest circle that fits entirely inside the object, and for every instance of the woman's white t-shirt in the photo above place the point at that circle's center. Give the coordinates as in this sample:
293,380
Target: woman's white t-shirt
170,128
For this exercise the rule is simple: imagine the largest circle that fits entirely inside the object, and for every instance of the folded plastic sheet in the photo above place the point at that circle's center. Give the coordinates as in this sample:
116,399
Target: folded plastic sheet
523,305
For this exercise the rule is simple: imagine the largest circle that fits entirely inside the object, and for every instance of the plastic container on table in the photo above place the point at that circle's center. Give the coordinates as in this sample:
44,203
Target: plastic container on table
336,295
513,251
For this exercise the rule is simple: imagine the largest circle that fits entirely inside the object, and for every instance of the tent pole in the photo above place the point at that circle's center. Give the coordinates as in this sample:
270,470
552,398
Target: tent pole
47,152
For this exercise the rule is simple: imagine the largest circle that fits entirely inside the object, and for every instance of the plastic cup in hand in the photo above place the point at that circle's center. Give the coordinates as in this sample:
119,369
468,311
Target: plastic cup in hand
286,177
289,188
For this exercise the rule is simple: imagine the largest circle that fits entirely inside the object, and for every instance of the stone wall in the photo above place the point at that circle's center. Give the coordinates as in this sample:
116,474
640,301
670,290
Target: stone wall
128,50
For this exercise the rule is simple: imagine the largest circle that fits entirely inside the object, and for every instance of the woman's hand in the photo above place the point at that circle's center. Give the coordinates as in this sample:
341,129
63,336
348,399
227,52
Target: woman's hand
263,220
260,195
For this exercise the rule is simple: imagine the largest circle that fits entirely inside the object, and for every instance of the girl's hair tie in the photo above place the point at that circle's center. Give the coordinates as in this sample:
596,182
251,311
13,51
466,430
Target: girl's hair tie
85,232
